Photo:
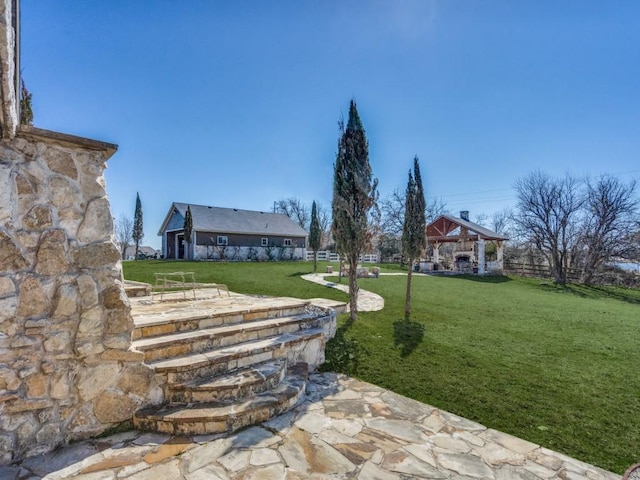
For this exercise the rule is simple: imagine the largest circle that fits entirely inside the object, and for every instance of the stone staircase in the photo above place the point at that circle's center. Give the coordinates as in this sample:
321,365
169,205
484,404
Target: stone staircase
225,368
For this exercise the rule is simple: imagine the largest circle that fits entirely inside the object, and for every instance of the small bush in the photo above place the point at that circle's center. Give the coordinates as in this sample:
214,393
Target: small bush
341,354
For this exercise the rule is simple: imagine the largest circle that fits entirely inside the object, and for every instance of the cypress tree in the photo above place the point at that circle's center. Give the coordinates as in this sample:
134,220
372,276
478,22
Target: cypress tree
314,234
26,108
138,230
188,230
354,194
414,239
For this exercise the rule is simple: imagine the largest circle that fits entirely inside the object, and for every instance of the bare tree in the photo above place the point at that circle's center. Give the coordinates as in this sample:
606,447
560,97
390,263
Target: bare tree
392,213
387,225
324,218
435,208
293,208
633,240
501,221
481,219
610,208
548,215
124,232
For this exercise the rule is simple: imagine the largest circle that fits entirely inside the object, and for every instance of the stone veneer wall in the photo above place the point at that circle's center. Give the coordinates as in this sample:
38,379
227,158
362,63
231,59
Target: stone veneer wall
204,252
66,371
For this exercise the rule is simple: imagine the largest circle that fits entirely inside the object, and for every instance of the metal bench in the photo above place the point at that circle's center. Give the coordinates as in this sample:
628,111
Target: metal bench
182,281
168,281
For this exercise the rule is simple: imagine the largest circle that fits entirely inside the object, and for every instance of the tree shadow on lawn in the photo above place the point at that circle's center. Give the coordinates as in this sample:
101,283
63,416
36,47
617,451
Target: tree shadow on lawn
299,274
475,278
408,335
597,292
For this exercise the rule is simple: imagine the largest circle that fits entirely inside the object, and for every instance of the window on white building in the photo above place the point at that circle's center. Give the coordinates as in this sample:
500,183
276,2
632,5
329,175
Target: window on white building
223,240
287,242
265,242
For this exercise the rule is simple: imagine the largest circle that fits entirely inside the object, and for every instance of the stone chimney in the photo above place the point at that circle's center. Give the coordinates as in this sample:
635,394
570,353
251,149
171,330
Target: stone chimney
464,215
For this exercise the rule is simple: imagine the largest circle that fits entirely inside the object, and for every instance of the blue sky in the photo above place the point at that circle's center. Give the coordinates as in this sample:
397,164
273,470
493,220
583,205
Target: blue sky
236,104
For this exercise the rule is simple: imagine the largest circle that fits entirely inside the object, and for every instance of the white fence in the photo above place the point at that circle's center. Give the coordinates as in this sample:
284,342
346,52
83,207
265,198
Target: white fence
326,256
369,258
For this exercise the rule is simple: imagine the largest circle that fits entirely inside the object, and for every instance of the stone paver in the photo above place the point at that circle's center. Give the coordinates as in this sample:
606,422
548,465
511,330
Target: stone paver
346,429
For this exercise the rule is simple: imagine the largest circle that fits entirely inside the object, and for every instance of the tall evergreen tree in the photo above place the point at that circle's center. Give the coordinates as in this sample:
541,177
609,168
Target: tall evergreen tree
354,194
420,197
315,235
138,230
414,239
26,107
188,230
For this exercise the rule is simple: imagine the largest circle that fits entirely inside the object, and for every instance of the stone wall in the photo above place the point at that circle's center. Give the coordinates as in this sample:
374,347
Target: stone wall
9,66
66,368
214,252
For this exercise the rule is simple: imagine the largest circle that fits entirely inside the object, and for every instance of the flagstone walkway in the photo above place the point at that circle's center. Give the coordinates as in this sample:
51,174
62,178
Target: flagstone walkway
367,301
347,429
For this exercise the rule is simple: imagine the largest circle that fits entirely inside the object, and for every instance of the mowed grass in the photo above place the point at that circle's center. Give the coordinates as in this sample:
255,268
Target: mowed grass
255,278
556,366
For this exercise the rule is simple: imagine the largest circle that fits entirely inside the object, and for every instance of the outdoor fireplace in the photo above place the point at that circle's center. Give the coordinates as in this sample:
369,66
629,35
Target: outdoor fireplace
462,263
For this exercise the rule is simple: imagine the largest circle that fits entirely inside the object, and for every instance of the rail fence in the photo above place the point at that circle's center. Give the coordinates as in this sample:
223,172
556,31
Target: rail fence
327,256
533,270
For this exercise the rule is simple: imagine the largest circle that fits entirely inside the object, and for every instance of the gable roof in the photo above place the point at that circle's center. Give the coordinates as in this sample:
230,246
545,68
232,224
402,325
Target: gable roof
445,224
131,250
234,220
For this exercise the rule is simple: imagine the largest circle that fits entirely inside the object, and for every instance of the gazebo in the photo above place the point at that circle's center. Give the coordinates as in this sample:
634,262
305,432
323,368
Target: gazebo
469,243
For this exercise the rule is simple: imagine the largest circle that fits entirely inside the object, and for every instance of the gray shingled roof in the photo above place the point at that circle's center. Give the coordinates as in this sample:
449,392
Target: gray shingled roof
483,231
234,220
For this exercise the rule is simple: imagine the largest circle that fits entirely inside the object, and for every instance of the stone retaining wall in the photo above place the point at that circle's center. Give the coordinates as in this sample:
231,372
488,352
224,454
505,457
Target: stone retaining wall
66,368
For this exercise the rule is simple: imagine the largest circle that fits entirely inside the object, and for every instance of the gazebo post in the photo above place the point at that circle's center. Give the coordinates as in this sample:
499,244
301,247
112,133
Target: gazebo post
500,254
480,256
436,253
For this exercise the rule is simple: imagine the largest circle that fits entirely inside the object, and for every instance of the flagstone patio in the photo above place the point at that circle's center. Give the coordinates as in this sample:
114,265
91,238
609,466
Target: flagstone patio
346,429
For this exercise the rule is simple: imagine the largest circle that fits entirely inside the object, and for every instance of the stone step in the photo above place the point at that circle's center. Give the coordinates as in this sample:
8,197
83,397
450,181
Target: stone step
195,341
217,416
136,289
197,315
239,384
301,346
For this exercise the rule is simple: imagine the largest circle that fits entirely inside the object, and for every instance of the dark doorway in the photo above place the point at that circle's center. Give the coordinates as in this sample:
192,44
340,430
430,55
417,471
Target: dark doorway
180,240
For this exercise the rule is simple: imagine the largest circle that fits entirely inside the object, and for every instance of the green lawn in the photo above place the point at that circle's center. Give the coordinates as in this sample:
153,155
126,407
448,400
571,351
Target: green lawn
556,366
257,278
